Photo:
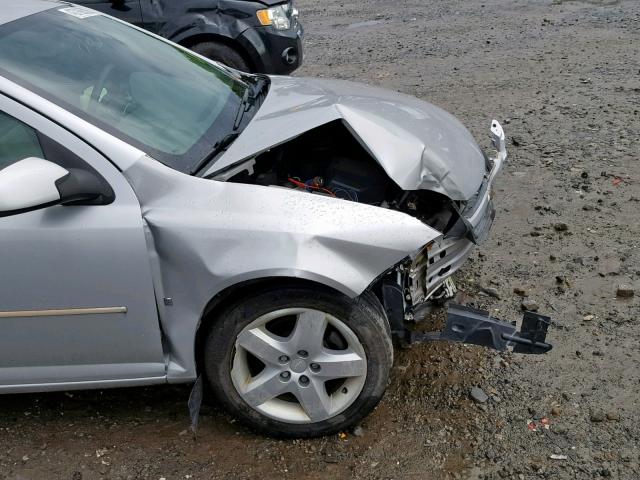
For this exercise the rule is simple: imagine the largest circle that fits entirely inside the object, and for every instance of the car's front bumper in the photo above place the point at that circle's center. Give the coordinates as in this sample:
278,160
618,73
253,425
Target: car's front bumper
443,257
275,52
480,212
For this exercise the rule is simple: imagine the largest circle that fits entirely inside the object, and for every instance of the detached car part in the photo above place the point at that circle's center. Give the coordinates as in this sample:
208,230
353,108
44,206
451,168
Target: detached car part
477,327
164,218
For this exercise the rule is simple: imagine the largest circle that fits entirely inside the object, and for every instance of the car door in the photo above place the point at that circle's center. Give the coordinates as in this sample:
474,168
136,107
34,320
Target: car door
77,304
127,10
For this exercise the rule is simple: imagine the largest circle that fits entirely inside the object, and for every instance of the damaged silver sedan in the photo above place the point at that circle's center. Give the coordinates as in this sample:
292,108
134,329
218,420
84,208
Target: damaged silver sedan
163,217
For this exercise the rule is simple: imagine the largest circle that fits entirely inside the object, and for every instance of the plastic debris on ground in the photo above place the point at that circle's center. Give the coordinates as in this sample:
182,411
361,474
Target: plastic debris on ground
558,457
543,423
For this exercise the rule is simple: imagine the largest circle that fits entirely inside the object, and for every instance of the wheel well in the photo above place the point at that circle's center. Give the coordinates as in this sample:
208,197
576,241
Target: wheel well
236,292
211,37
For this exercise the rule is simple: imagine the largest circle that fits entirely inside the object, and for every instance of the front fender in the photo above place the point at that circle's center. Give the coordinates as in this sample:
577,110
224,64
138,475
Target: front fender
194,25
206,236
204,17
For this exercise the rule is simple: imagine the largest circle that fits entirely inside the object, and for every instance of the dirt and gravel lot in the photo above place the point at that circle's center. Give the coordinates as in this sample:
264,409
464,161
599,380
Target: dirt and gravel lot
564,77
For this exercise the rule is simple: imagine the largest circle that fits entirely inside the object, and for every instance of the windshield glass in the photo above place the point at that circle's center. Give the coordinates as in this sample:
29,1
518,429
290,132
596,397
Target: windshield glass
168,102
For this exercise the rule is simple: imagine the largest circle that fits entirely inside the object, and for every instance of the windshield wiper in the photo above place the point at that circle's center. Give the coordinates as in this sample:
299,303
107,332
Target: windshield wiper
252,96
261,87
218,148
245,105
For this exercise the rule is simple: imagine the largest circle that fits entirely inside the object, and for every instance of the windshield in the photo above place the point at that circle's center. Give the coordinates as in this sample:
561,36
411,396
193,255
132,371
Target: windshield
165,101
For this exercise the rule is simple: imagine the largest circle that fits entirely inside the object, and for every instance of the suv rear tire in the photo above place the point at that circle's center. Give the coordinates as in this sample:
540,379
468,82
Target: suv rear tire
299,362
222,53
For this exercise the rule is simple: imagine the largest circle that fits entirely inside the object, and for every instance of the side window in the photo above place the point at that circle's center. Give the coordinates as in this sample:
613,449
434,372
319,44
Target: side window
17,141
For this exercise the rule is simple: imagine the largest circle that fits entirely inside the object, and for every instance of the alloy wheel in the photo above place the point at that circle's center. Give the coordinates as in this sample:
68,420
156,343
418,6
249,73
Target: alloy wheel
298,365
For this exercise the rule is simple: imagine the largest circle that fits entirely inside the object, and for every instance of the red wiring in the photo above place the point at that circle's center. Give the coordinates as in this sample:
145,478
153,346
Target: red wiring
305,186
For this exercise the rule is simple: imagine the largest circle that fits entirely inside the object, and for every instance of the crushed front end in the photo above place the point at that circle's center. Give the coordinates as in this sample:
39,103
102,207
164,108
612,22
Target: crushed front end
426,275
333,161
408,289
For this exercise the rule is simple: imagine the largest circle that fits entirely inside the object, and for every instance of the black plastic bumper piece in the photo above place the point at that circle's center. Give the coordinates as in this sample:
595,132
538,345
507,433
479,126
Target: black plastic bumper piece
533,334
477,327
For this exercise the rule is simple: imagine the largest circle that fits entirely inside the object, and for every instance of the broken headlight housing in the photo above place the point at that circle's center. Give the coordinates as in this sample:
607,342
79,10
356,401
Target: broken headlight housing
280,17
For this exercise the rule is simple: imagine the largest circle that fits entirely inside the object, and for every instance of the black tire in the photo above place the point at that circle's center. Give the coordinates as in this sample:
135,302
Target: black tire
363,316
222,53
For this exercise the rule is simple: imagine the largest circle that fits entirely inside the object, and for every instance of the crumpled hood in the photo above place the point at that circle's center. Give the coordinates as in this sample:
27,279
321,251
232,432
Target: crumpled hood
419,145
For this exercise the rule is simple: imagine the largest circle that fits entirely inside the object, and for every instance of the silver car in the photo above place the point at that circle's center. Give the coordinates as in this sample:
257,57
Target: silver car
163,217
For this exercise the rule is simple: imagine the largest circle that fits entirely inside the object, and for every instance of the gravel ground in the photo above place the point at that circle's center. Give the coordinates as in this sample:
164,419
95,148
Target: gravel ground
564,77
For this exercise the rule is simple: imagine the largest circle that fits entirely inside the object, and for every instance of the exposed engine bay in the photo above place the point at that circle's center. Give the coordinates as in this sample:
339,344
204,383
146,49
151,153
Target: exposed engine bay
330,161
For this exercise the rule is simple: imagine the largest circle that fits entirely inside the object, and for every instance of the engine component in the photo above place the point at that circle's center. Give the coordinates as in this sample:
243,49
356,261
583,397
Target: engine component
330,161
357,179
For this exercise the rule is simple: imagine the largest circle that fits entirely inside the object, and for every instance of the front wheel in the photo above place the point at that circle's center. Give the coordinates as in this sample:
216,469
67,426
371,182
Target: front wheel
299,362
222,53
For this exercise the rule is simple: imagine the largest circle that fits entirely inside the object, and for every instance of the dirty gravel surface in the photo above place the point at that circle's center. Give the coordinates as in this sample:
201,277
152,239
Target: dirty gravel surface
564,77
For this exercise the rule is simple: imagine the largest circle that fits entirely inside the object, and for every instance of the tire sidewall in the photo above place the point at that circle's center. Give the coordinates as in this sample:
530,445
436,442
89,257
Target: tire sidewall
221,53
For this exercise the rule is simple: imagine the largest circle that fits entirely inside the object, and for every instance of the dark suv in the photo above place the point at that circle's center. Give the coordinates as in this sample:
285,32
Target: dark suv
261,36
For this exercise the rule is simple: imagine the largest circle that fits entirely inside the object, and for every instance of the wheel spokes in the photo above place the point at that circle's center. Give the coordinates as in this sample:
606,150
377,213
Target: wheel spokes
308,332
339,365
315,401
262,345
264,387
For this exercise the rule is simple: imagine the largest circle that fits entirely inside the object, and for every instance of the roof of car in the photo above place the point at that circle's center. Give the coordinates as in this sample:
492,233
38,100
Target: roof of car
14,9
